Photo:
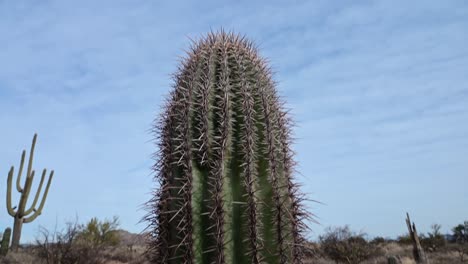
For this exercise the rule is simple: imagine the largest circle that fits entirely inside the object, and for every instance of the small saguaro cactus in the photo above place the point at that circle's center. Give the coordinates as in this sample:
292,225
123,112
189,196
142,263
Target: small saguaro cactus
22,213
225,166
5,243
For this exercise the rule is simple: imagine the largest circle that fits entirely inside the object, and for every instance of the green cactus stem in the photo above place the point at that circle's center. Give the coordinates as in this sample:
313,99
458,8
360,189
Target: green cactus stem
5,243
225,166
22,213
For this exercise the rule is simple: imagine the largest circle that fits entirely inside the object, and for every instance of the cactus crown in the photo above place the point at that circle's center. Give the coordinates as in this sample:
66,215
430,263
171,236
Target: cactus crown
224,166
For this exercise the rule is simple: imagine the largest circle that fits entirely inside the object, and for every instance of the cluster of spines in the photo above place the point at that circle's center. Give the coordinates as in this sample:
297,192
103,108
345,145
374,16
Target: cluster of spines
224,111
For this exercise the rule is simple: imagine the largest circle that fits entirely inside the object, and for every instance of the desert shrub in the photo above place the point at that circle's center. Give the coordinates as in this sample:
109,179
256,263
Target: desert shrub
378,240
432,243
434,240
311,250
404,240
461,250
58,246
78,243
20,257
99,234
460,237
460,233
342,245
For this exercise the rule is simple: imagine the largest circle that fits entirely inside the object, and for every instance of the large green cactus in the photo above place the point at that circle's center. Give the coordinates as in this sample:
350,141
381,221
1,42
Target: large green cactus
225,166
22,213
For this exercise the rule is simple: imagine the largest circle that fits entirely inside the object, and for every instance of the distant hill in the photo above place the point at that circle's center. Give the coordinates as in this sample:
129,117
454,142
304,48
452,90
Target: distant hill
127,238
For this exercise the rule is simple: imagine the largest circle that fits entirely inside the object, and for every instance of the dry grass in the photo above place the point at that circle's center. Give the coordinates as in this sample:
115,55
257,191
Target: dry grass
134,255
117,255
447,256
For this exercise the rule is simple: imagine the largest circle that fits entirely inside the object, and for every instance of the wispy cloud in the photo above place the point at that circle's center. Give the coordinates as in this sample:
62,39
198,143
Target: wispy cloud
378,90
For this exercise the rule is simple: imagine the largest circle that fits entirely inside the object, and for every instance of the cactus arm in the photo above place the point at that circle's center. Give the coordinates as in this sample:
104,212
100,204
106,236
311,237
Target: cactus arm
29,180
41,206
31,155
18,180
11,210
36,197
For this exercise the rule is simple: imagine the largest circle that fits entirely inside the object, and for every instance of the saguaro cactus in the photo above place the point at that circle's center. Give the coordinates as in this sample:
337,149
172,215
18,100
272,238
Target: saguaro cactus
22,213
225,168
5,243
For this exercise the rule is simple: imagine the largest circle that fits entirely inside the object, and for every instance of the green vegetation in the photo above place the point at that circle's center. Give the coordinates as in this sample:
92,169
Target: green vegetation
97,234
79,243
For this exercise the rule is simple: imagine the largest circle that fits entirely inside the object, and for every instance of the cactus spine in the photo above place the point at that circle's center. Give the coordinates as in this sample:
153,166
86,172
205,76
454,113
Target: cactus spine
5,243
226,190
21,213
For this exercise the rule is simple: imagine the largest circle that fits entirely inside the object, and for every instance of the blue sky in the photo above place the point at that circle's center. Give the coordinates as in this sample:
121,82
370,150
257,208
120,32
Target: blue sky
378,89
